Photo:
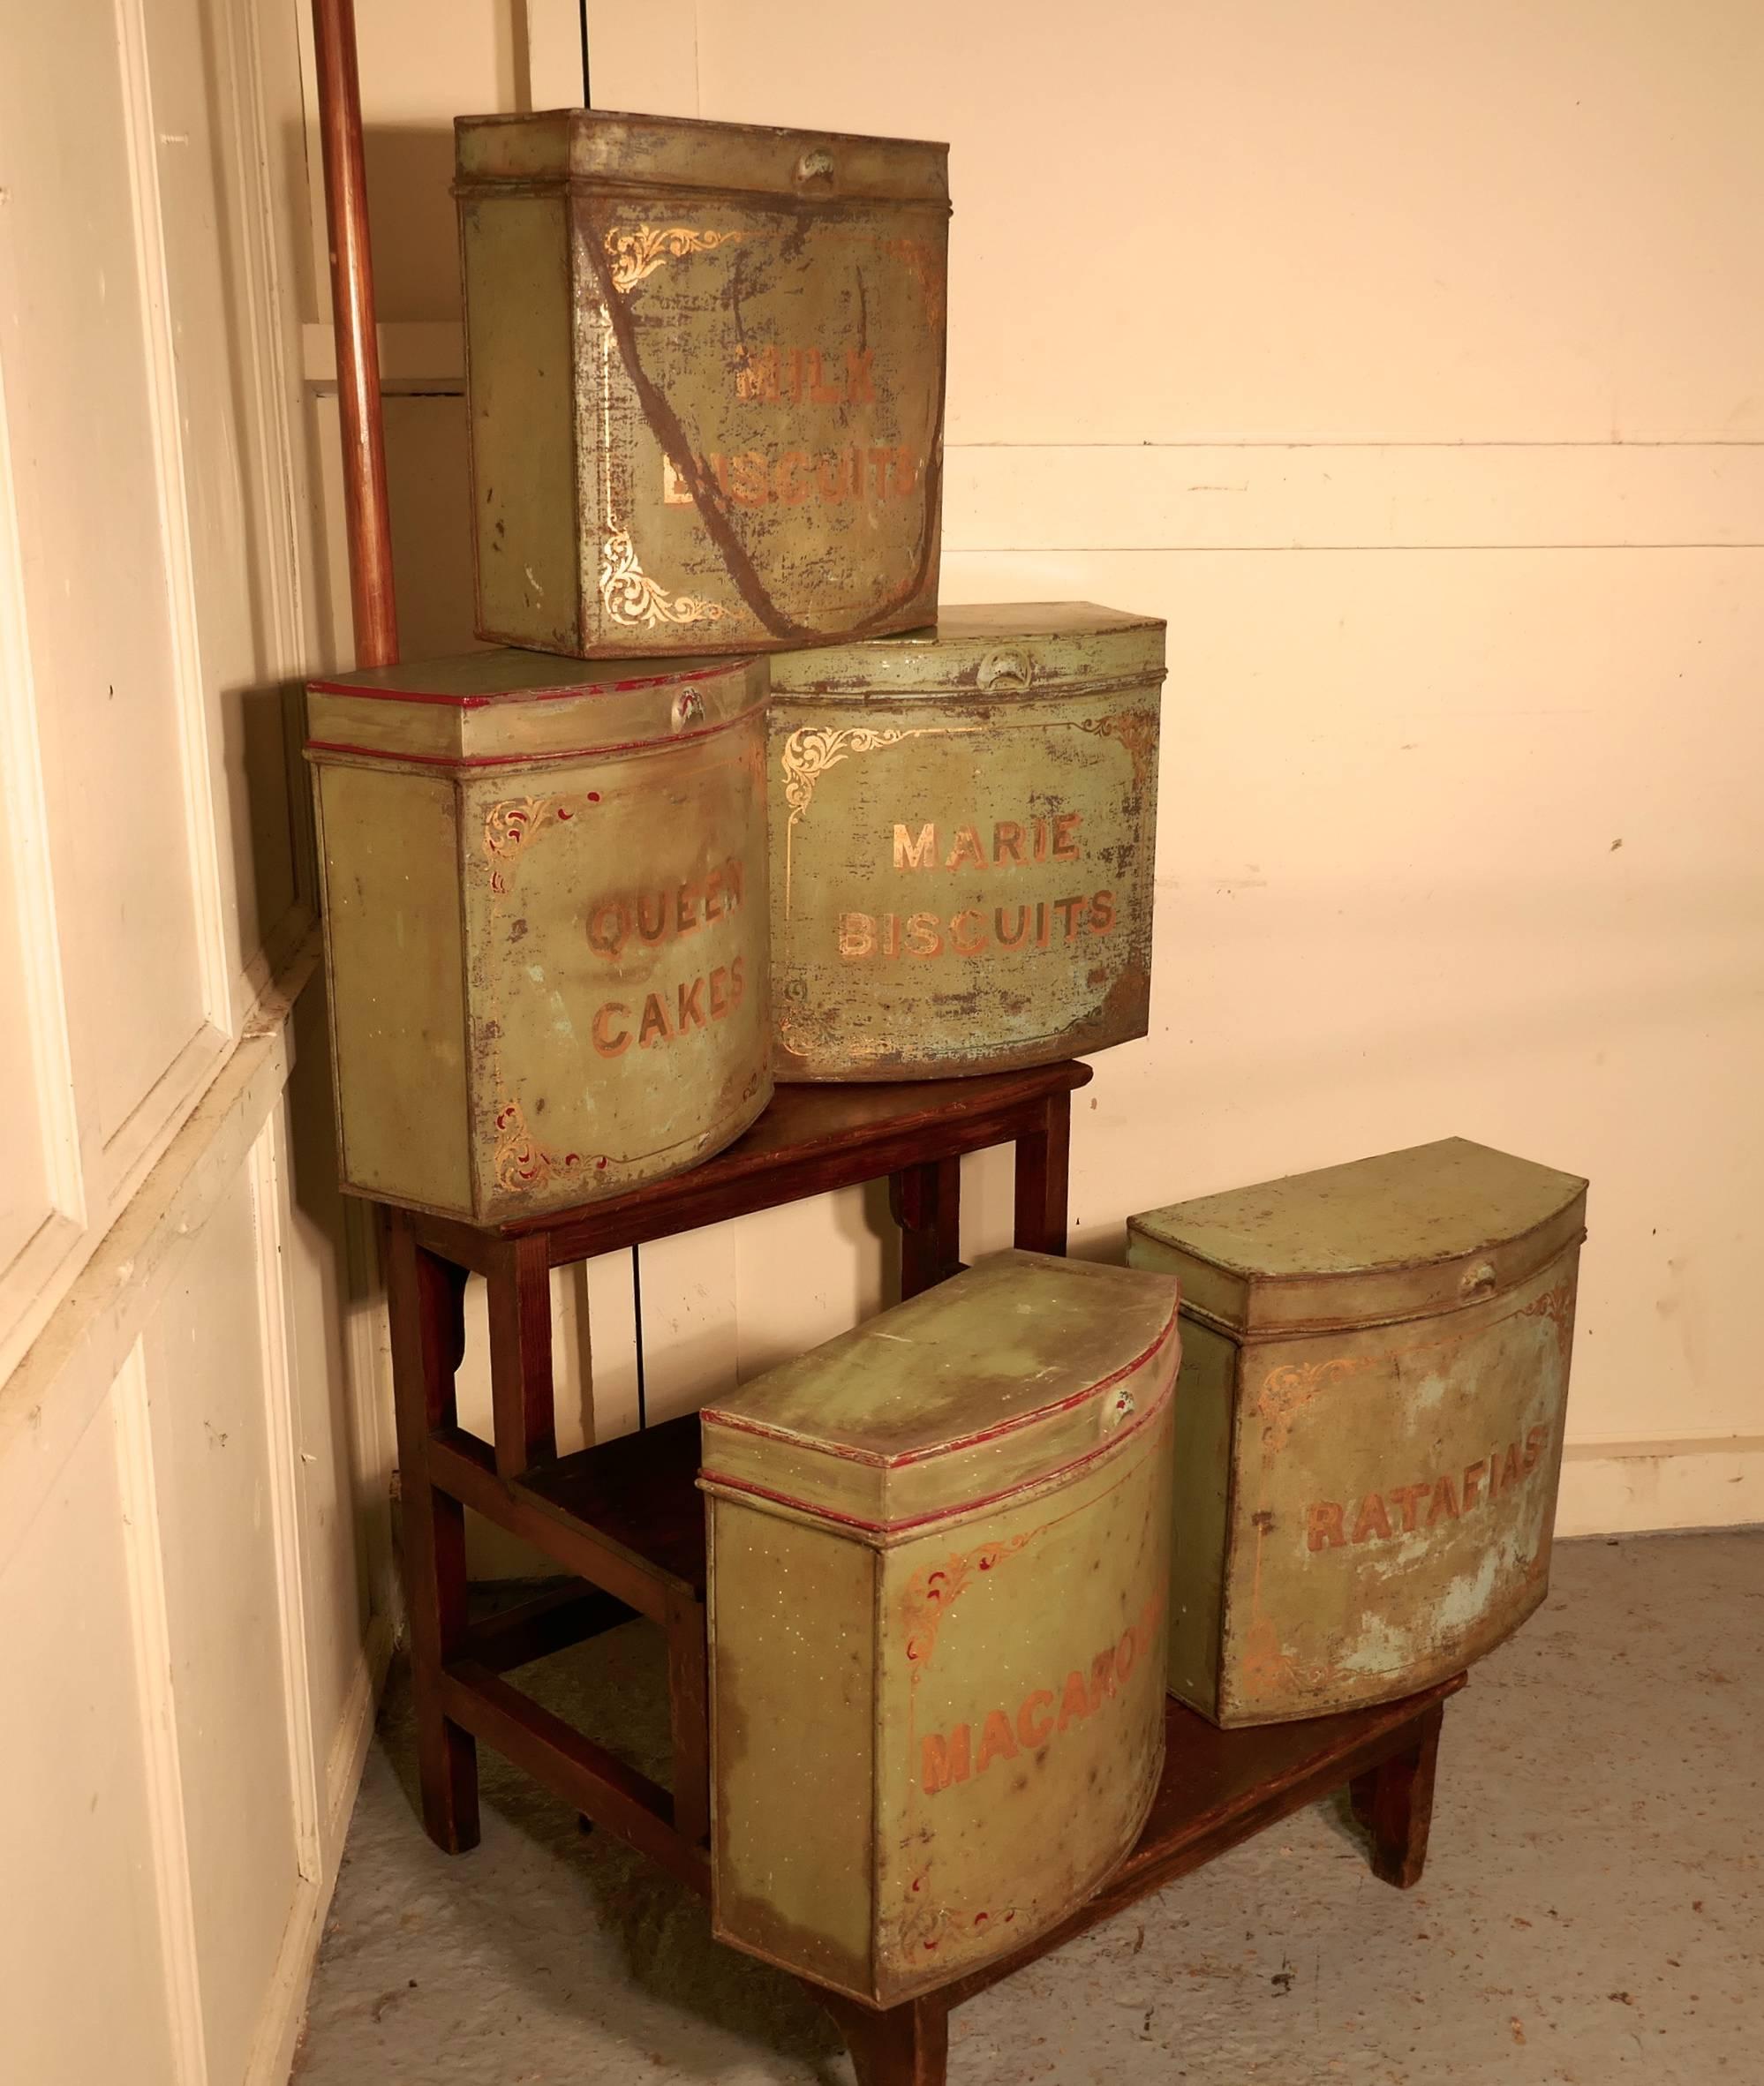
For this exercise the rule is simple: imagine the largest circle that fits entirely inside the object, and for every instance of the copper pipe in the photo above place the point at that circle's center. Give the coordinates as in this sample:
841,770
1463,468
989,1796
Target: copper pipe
364,436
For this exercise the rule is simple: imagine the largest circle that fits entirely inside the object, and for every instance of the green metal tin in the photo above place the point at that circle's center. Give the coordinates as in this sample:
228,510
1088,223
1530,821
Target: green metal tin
964,838
704,370
1369,1428
544,925
938,1554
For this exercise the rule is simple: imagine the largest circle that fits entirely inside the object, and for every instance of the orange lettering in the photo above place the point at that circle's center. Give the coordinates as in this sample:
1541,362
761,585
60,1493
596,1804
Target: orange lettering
1068,909
1127,1651
1372,1519
819,392
910,853
654,1028
610,927
923,938
691,1013
1473,1475
714,896
1324,1530
757,377
906,473
792,478
1408,1497
1510,1467
1064,827
686,909
1102,1678
1018,935
974,947
1102,912
1535,1439
1444,1507
832,488
943,1760
1033,1728
996,1741
750,481
719,993
605,1041
652,917
967,848
1007,842
737,980
1074,1703
856,935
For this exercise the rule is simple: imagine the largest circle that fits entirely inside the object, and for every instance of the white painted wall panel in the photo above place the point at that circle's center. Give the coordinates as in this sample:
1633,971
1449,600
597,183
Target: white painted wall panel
1475,221
204,1354
81,402
229,385
80,1885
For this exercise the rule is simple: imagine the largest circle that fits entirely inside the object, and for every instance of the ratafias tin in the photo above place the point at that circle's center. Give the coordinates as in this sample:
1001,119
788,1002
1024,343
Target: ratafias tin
1369,1428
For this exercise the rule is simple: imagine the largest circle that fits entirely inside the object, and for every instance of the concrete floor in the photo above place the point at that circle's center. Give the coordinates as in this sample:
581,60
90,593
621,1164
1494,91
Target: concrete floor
1593,1908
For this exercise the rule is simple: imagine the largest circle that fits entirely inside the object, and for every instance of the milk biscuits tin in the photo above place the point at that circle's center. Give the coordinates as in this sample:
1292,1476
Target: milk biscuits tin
705,376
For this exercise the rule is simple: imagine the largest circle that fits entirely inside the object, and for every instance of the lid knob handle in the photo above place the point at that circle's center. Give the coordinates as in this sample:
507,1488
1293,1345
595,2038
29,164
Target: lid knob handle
1006,667
1477,1281
688,709
815,166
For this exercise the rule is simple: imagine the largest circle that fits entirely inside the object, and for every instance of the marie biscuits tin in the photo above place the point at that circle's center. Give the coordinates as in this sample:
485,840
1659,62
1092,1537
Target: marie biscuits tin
964,841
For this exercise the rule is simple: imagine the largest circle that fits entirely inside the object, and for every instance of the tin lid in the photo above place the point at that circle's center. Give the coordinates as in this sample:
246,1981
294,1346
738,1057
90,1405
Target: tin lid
994,648
599,148
1407,1234
495,708
1020,1370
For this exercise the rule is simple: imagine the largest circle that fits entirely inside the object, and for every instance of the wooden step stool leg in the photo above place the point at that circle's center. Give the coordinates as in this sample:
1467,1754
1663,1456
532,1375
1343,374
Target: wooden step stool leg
426,1299
1042,1162
925,1201
1395,1804
909,2045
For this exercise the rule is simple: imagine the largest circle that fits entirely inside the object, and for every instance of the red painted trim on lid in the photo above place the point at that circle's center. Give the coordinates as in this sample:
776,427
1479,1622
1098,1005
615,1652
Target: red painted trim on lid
589,689
818,1512
741,1424
531,759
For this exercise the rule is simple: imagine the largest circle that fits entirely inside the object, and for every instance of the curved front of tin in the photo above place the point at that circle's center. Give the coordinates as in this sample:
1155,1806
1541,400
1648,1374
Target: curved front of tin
545,928
964,836
971,1698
